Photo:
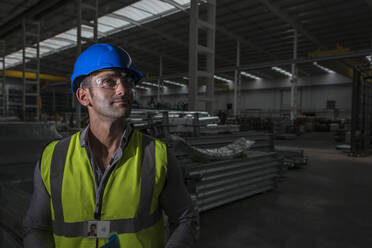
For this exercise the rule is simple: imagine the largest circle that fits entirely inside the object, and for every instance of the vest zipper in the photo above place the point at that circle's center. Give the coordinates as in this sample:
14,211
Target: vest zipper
100,189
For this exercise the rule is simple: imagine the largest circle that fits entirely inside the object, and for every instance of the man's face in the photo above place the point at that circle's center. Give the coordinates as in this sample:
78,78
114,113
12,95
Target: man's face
93,228
110,95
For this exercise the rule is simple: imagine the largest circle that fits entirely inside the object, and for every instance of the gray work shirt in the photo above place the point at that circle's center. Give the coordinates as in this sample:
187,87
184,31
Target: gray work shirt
174,200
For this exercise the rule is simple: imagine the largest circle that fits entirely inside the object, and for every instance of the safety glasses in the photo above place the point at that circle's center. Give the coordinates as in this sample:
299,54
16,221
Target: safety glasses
112,82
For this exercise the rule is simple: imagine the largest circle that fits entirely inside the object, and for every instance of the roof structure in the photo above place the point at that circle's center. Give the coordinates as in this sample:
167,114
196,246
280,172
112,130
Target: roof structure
150,29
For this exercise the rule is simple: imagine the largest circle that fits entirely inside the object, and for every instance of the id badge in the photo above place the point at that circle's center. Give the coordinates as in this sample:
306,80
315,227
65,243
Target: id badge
98,229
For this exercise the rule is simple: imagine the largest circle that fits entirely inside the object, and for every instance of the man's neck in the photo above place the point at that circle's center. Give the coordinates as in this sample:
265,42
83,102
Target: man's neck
105,136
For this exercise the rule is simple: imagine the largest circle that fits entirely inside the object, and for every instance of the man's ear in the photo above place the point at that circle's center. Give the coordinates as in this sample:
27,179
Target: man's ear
83,96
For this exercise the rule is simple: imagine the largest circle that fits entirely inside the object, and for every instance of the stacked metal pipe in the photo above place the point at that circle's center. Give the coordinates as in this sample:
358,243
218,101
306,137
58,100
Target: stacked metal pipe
221,182
263,140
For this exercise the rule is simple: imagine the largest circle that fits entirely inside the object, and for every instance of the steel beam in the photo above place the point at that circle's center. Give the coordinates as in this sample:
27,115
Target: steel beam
295,25
358,53
273,63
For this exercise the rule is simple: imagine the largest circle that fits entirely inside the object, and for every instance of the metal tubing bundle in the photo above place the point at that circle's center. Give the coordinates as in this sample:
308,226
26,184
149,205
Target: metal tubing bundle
263,141
226,181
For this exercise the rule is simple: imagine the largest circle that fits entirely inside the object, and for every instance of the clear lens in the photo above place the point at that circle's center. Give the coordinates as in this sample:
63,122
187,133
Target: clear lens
112,82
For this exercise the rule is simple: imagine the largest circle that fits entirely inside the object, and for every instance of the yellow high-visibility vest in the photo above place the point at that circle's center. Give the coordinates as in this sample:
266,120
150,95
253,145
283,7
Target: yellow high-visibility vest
129,199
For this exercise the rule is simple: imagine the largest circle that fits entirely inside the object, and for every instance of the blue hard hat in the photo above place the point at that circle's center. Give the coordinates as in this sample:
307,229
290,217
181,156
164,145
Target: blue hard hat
102,56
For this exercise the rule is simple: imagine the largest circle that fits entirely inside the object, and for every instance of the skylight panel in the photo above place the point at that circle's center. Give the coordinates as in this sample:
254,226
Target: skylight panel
69,35
57,43
133,13
104,28
17,55
153,6
141,12
9,59
30,52
44,50
86,31
114,22
14,58
182,2
68,41
48,43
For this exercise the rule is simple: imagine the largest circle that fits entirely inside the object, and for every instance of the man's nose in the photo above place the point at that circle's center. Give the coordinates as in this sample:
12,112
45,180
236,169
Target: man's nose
120,89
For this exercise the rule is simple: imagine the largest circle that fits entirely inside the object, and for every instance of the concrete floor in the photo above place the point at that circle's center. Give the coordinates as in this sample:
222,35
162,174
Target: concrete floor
327,204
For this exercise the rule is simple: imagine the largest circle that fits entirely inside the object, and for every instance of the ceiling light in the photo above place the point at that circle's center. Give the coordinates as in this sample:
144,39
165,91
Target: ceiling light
246,74
141,87
152,84
173,83
223,79
282,71
323,68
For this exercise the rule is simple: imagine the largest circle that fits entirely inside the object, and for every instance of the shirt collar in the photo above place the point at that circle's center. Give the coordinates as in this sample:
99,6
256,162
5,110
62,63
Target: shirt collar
123,141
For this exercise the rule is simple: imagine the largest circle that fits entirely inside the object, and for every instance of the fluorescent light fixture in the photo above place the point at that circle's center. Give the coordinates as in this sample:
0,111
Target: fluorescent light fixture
246,74
138,13
152,84
323,68
223,79
281,71
369,58
173,83
142,87
186,78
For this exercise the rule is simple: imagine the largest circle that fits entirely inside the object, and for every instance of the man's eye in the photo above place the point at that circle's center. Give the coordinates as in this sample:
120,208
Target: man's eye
128,81
109,82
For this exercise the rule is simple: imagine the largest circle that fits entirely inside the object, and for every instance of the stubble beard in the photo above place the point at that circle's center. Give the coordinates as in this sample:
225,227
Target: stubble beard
112,110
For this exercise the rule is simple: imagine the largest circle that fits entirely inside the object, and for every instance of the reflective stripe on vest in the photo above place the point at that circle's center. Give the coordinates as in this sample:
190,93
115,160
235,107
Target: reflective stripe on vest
132,225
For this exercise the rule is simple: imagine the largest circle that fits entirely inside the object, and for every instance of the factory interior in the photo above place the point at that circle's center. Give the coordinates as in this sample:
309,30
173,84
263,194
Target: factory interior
266,104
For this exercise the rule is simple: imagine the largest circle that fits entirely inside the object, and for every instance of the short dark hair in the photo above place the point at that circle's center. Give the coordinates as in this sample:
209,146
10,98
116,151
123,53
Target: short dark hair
85,83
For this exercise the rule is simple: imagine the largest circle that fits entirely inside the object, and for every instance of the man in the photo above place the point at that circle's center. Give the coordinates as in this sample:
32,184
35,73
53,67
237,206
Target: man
92,230
108,174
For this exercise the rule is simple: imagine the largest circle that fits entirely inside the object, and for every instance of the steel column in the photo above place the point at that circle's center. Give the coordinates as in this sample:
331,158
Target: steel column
361,117
236,78
294,92
3,102
193,56
31,88
160,80
80,21
54,101
195,49
355,135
